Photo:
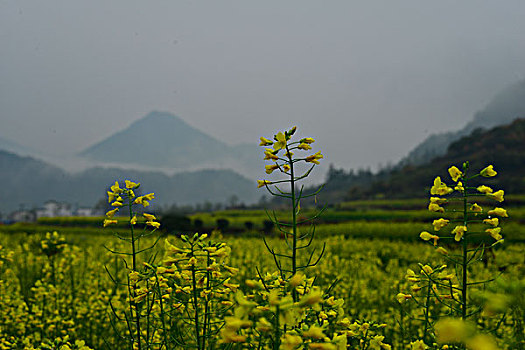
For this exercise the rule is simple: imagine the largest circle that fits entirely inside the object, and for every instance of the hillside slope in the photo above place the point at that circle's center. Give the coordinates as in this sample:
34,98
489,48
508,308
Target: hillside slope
505,107
503,146
28,183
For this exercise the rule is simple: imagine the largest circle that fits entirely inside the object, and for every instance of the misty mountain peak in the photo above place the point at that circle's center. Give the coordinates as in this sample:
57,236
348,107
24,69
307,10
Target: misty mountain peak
160,139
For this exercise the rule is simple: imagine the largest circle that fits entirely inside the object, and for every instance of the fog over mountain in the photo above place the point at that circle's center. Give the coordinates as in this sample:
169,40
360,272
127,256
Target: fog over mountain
28,183
163,140
506,106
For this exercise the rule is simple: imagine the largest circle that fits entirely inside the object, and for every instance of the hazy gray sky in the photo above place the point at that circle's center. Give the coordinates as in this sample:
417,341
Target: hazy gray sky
369,79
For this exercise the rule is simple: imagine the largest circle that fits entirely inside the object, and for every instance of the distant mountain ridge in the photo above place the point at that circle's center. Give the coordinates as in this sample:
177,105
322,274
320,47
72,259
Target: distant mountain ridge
502,146
162,139
505,107
30,182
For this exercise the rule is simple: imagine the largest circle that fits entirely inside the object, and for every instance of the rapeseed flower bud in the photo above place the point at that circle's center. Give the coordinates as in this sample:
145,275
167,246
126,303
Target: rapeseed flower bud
307,140
270,155
270,168
488,172
314,158
149,217
109,222
304,146
455,173
459,187
286,168
133,220
265,142
261,183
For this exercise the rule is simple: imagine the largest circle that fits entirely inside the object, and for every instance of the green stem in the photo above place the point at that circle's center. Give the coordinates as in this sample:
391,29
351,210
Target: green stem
464,262
427,309
294,222
195,302
134,264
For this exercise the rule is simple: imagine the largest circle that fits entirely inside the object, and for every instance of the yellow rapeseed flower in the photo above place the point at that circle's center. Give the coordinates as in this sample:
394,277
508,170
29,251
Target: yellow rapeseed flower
459,231
476,208
280,141
484,189
493,222
438,200
116,204
153,223
133,220
401,297
286,167
440,188
290,341
115,188
111,213
149,196
498,212
111,196
455,173
495,233
459,187
488,172
498,195
426,236
131,185
439,224
436,208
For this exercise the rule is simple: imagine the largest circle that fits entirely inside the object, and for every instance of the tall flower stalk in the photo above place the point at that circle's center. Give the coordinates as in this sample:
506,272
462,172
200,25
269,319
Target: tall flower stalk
282,157
138,300
473,231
